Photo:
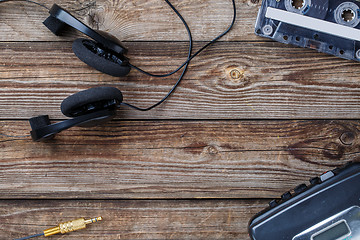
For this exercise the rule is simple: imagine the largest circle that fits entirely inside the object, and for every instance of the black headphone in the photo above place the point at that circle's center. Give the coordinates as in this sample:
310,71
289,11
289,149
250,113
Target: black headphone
106,54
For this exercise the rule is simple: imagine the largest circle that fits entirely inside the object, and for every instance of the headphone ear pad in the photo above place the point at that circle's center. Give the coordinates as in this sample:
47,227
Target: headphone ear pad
99,58
73,105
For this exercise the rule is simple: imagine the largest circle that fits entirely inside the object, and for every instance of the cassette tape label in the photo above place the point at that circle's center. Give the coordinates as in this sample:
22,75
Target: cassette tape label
329,26
313,23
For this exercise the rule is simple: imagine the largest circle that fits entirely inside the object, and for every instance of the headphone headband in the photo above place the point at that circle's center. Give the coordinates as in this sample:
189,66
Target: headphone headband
42,129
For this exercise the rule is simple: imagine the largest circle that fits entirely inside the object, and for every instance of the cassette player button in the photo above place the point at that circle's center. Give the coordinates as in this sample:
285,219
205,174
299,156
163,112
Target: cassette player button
273,203
315,181
286,196
300,188
326,176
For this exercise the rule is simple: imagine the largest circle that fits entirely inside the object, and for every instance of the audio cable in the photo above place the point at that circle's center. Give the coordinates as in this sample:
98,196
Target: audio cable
186,63
196,53
65,227
29,1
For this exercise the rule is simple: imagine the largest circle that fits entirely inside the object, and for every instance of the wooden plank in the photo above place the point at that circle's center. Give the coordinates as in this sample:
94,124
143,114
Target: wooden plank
143,20
270,81
205,219
174,159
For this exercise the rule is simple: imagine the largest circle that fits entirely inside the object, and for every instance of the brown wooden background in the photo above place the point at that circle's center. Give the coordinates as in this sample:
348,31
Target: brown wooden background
197,167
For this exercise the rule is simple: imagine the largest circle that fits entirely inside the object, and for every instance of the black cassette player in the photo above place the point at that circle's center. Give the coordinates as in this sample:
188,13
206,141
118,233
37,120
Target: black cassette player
327,209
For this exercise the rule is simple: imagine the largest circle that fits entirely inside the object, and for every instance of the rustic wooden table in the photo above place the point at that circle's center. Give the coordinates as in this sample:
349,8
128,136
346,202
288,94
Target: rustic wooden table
251,120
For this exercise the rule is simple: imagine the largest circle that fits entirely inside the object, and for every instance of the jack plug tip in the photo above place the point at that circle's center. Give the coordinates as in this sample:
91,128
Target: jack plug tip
93,220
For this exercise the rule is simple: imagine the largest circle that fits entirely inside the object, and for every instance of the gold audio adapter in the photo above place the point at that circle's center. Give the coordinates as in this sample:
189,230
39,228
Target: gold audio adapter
70,226
65,227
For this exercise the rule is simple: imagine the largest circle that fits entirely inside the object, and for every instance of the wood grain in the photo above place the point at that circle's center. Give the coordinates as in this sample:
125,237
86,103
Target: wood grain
141,20
199,166
273,82
178,219
174,159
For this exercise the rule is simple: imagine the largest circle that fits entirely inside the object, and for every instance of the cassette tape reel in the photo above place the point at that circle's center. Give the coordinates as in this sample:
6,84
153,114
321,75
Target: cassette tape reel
329,26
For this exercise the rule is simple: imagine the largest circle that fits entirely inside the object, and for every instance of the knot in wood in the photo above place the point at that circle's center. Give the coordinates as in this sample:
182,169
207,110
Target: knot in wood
212,150
347,138
235,74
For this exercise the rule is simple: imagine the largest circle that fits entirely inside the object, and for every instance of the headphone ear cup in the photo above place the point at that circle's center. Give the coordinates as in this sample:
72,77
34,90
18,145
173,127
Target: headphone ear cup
91,100
99,58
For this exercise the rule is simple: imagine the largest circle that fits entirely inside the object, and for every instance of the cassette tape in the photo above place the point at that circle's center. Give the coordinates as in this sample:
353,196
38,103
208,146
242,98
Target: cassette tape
329,26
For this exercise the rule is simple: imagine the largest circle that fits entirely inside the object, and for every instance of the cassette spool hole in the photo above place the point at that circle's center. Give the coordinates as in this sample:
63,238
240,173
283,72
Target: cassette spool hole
267,30
297,4
357,54
348,15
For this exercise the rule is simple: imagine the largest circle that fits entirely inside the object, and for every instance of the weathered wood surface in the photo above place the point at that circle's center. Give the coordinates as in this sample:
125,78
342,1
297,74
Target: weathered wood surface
168,159
198,145
176,219
274,82
140,20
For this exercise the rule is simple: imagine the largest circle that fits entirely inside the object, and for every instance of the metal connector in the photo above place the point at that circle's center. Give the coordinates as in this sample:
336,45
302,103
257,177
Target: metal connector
70,226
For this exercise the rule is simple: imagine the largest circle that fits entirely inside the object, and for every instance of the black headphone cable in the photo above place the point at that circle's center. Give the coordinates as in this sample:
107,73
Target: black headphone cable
183,72
196,53
37,3
186,63
32,236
